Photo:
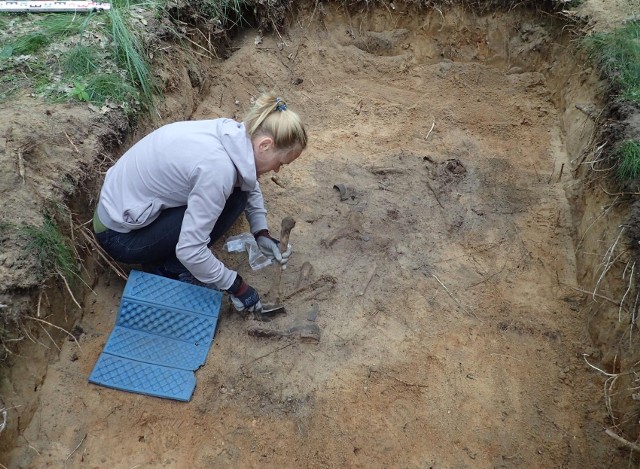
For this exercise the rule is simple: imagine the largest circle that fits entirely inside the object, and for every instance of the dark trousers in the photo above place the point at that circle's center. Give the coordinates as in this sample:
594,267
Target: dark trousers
154,246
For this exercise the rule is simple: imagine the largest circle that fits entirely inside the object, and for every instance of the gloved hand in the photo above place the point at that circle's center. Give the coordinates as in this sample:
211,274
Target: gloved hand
270,247
243,296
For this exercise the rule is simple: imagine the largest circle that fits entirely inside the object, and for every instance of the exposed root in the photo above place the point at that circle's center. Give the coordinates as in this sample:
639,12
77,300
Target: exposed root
609,260
39,303
94,244
631,278
321,282
66,284
56,327
76,448
21,166
50,338
594,222
430,130
28,336
71,142
608,386
372,272
267,354
634,315
596,295
625,442
406,383
453,298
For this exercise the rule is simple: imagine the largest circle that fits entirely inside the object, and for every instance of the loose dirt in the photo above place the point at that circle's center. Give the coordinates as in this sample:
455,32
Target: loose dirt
452,334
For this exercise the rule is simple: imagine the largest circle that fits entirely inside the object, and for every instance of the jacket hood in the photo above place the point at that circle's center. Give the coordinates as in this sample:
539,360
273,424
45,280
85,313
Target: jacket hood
237,144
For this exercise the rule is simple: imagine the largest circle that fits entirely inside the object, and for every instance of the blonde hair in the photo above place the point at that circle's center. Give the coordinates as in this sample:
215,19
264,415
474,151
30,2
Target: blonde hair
271,116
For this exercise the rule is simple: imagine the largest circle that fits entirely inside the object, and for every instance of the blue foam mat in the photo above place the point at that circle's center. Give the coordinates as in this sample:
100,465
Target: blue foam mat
163,333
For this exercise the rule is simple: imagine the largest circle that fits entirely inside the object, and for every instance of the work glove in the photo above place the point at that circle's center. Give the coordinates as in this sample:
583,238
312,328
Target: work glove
270,247
243,296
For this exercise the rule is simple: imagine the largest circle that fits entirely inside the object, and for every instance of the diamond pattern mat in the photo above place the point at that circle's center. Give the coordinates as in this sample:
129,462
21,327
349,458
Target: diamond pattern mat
163,333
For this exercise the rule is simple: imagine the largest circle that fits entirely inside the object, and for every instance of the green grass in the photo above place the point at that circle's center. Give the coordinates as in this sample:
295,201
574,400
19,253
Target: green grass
80,61
130,55
225,11
20,76
50,249
618,56
88,69
121,73
109,86
9,85
50,28
64,25
29,43
225,14
629,162
4,229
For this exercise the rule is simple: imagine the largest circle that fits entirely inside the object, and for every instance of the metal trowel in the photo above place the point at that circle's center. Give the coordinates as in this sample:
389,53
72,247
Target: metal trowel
274,307
269,312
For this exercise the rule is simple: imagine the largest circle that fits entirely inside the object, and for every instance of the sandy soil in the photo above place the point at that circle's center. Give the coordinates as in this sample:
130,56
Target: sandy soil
451,334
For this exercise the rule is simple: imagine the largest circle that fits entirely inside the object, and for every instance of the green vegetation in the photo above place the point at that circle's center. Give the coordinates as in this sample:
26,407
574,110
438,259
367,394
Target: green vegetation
48,245
80,61
225,14
63,25
629,161
129,55
70,58
223,10
52,27
29,44
62,57
4,228
109,86
9,84
618,55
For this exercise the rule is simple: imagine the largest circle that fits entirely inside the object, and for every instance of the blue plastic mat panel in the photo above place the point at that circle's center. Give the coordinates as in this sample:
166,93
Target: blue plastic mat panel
171,293
163,333
129,375
155,349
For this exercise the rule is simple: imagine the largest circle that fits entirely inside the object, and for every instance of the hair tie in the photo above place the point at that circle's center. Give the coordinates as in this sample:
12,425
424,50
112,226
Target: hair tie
280,105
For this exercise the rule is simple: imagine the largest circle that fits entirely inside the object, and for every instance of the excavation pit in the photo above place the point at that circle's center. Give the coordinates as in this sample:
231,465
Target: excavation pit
453,328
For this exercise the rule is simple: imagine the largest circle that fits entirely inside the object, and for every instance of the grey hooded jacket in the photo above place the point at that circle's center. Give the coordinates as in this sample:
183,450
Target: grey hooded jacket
192,163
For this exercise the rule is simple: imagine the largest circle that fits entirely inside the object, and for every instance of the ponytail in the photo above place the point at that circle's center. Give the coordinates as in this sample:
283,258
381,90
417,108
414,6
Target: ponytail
270,116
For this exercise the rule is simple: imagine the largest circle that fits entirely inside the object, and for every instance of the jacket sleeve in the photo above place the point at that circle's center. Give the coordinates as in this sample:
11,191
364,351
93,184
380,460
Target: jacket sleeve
255,212
207,198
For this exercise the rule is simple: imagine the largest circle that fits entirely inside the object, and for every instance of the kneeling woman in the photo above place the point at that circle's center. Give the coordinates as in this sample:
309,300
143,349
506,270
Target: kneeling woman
180,188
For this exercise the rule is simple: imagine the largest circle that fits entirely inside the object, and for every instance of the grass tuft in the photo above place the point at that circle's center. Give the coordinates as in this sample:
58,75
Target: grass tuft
51,27
129,54
222,11
80,61
110,86
629,162
29,43
64,24
49,247
618,55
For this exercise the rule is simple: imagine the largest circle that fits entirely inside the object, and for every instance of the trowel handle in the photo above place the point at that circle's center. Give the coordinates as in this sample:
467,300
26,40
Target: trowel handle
285,231
287,225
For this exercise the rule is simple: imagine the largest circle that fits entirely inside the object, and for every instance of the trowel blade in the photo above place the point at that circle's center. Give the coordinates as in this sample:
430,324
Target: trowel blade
269,312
